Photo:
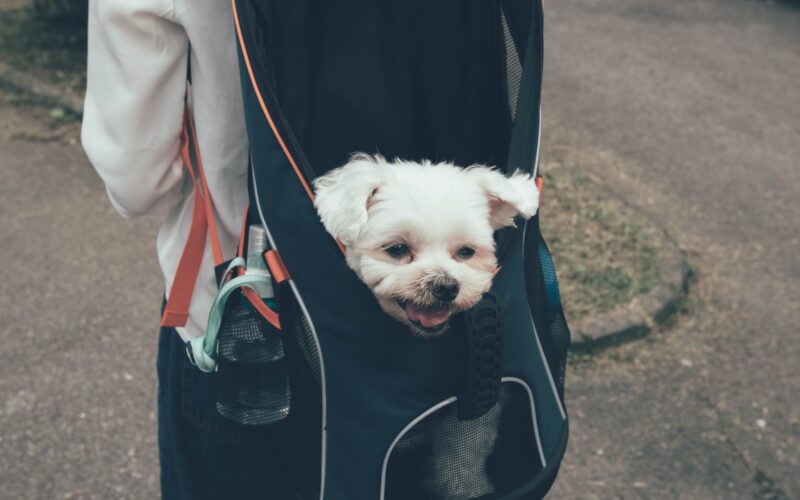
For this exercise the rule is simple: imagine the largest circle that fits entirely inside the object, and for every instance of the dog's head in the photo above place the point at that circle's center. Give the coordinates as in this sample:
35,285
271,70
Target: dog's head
420,235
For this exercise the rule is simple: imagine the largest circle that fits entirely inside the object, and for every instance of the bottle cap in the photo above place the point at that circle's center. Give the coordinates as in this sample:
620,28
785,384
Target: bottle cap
256,246
257,239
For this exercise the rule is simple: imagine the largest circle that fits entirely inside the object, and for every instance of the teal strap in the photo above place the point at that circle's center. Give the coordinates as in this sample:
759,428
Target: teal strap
204,348
234,263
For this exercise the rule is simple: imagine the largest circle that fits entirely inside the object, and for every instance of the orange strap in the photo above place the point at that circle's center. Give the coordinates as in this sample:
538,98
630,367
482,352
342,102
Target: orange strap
216,248
176,311
240,252
276,266
258,304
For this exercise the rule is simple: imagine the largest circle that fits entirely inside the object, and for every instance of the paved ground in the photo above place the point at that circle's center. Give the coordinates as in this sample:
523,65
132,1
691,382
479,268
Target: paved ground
697,104
79,298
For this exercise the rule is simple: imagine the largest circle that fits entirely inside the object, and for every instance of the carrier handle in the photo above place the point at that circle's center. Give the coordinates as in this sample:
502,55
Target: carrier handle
176,311
484,338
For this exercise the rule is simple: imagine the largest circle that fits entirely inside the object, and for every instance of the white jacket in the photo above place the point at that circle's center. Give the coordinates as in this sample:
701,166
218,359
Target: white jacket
136,81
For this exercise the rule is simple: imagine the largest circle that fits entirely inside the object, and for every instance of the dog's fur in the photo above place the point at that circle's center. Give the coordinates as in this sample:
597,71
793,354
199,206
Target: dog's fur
405,227
420,235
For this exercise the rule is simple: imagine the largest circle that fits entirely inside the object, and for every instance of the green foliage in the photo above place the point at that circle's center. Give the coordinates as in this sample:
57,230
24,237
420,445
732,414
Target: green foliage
603,257
73,11
48,42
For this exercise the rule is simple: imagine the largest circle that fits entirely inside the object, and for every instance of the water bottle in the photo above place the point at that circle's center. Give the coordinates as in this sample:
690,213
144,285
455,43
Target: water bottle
252,383
256,246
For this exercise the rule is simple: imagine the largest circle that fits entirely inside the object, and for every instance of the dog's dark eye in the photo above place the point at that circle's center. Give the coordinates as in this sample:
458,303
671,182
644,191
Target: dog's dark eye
398,250
466,252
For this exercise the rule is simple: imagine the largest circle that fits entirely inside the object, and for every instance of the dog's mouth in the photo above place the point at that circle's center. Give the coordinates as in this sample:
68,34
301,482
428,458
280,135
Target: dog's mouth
428,318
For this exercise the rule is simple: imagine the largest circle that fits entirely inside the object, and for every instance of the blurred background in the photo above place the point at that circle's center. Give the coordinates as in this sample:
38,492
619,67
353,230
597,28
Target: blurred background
671,155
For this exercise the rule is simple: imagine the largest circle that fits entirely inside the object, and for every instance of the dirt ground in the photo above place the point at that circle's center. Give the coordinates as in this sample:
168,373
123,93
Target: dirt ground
695,102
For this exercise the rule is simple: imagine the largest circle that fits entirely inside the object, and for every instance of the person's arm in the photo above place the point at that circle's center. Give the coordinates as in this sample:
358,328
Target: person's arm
136,80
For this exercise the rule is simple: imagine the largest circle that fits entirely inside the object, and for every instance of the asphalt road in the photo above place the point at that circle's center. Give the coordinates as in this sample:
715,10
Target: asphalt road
698,103
695,108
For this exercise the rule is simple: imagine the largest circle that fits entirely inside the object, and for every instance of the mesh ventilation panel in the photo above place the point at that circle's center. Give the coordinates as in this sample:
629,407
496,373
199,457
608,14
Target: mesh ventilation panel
307,345
513,68
444,458
244,337
252,383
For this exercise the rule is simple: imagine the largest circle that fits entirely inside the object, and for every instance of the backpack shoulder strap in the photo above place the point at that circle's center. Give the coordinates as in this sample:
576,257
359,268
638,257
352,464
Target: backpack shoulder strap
176,310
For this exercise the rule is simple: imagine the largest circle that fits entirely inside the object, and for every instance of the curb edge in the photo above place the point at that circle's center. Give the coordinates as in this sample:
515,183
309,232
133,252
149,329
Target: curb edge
637,319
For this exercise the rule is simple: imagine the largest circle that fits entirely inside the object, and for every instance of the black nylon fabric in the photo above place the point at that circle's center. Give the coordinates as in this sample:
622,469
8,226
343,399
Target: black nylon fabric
376,377
415,79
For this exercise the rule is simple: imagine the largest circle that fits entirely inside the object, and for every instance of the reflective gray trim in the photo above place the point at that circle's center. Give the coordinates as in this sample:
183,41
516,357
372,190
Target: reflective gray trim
450,401
538,146
408,427
541,353
316,343
533,415
547,369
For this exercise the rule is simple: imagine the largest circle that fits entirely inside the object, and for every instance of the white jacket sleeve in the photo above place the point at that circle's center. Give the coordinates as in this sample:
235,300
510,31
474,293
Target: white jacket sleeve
136,80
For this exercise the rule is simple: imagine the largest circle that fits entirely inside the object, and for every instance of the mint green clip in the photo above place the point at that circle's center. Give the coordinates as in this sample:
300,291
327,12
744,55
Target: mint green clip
202,351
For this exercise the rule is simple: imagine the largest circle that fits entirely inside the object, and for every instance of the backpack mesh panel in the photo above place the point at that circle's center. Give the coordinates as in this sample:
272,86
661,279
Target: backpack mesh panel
513,68
252,383
253,394
444,458
245,337
305,341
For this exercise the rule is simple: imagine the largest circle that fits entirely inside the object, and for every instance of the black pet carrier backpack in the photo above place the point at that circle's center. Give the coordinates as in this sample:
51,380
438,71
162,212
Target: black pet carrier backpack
366,410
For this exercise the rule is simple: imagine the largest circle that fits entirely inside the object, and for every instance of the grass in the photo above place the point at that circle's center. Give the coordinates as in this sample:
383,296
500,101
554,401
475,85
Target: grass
604,253
28,118
52,49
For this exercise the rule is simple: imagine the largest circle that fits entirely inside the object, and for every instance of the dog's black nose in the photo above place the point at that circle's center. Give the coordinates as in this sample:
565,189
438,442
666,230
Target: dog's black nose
445,289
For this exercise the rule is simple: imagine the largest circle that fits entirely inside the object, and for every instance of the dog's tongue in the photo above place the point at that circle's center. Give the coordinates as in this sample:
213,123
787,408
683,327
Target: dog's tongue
427,317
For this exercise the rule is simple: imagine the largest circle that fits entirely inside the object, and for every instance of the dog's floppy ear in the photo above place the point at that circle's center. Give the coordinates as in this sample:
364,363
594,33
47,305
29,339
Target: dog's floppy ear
342,195
508,196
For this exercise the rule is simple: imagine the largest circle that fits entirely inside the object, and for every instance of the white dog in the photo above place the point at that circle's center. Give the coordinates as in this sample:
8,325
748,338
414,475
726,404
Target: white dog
420,235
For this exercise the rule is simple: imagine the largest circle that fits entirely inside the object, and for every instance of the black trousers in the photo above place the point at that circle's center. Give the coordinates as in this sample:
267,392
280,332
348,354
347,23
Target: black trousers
203,455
